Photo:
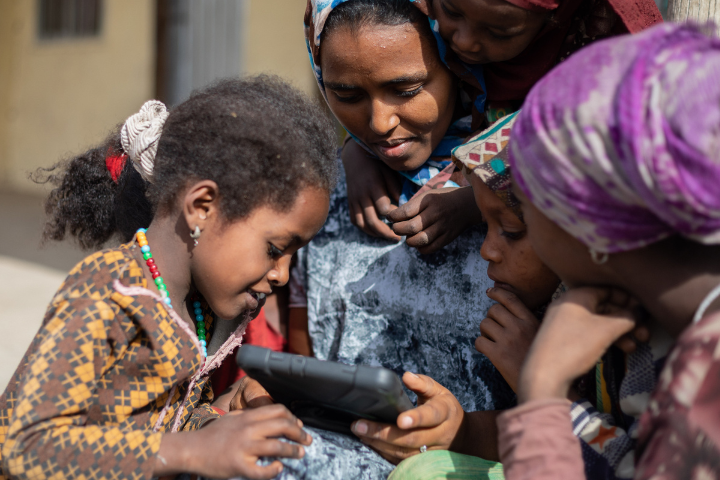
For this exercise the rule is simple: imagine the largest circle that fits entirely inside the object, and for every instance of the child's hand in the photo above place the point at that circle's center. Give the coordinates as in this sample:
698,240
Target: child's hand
576,331
250,394
434,423
230,446
372,188
628,342
507,333
433,219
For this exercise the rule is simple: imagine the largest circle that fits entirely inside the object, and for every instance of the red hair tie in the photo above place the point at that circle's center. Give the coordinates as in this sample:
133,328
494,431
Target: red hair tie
115,165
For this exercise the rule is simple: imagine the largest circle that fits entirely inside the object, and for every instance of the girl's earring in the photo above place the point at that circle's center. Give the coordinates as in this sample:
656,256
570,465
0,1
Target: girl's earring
598,258
195,235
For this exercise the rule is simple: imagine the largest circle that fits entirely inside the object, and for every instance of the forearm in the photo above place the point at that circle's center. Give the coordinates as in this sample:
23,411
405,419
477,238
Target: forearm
478,435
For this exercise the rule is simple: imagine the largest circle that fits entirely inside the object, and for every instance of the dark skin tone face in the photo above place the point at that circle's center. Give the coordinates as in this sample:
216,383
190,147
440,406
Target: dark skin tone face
234,260
669,278
513,264
486,31
388,87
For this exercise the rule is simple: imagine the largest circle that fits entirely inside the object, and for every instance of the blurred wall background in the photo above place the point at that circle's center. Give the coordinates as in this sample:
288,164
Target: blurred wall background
71,70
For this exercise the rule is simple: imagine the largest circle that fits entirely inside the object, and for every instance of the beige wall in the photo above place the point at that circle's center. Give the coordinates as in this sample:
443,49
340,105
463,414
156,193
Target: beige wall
61,96
275,42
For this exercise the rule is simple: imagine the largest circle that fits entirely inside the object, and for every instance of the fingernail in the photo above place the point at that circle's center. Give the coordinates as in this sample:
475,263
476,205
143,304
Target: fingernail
361,428
301,452
488,290
413,374
405,422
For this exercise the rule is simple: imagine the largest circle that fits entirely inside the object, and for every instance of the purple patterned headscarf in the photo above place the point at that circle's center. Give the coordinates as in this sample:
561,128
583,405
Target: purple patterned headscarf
620,144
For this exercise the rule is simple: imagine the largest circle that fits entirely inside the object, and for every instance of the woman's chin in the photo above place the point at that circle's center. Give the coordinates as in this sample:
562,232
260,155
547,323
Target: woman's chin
405,164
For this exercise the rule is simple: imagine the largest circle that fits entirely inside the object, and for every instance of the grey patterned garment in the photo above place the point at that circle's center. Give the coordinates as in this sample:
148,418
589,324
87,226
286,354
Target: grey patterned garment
378,303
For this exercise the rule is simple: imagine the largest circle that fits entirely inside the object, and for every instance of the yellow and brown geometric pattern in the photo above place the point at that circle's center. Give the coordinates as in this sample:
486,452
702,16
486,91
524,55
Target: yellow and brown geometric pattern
89,391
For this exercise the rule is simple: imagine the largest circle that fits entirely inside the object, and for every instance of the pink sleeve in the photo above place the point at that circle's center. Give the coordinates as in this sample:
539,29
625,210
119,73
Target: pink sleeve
536,442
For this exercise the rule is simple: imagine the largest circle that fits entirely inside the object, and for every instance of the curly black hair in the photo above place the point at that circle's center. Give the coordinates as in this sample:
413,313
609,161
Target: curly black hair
260,140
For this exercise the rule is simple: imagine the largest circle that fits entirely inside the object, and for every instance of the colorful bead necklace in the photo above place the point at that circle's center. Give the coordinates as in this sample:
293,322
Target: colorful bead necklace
150,262
200,326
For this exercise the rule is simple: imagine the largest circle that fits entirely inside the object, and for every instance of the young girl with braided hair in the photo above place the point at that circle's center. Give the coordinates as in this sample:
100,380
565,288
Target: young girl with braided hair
212,198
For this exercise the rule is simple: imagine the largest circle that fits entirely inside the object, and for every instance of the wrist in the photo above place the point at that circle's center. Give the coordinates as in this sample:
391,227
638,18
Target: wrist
534,385
175,454
461,436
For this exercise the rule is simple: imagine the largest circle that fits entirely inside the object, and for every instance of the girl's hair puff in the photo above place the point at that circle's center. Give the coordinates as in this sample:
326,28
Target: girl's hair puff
260,140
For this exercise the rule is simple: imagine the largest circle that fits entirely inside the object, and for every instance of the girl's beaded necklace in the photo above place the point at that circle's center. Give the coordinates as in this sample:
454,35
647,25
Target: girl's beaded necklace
162,288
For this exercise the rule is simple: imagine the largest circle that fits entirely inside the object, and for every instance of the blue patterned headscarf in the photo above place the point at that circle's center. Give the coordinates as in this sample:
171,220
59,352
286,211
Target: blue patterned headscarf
316,15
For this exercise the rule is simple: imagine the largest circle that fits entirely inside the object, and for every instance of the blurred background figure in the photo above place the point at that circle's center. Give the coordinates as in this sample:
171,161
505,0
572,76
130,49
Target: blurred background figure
70,70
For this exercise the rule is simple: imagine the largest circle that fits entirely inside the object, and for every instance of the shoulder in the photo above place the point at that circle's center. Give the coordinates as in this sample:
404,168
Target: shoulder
90,282
94,275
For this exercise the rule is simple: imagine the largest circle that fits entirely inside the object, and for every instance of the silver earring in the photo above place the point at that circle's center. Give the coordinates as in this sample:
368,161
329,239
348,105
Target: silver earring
598,258
195,235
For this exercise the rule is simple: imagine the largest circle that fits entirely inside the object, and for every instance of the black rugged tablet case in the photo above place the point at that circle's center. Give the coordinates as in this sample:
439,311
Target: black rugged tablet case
326,395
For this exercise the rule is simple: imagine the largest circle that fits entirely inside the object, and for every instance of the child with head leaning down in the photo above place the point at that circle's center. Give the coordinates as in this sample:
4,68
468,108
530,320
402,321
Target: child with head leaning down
213,197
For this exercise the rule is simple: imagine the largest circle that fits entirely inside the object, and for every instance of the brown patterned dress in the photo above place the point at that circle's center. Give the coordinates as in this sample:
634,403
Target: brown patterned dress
109,371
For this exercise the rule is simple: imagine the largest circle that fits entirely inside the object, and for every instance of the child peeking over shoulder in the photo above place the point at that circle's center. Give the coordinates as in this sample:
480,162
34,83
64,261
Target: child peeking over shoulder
217,193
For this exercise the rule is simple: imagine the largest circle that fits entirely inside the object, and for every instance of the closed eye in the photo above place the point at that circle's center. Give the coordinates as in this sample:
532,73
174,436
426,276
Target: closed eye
274,252
500,36
410,93
346,98
513,235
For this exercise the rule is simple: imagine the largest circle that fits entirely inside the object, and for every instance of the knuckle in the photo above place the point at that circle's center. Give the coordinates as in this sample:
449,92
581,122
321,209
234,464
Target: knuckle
494,310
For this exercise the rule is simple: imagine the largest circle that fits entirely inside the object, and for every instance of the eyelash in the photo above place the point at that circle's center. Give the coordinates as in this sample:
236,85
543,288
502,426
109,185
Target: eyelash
402,93
513,235
352,99
273,251
410,93
499,37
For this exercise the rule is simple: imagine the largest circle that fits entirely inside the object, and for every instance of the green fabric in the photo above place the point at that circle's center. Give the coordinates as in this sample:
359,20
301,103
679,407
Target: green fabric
443,464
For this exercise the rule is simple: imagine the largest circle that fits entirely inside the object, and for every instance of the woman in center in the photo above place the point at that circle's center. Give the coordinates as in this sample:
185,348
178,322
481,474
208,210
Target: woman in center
359,300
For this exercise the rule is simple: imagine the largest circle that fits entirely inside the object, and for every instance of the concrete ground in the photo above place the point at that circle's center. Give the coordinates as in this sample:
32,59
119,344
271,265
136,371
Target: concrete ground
29,275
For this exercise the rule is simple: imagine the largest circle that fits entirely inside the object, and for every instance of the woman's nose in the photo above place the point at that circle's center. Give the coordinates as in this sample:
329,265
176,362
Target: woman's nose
280,274
489,250
383,118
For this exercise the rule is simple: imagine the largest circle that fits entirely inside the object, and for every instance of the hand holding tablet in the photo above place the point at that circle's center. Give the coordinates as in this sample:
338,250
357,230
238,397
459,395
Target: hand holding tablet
327,395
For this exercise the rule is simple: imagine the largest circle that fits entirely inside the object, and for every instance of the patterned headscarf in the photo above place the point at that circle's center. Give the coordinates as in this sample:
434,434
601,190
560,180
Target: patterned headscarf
485,156
620,145
316,14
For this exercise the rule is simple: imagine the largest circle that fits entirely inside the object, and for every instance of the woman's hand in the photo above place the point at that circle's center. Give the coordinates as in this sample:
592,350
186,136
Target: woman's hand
507,333
231,445
435,218
434,423
577,330
250,394
372,188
